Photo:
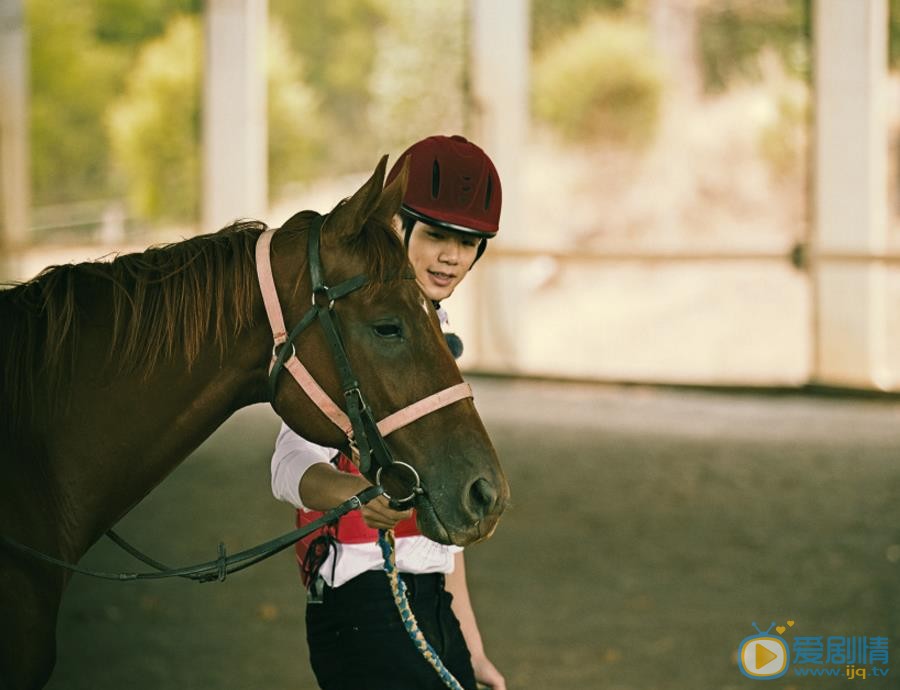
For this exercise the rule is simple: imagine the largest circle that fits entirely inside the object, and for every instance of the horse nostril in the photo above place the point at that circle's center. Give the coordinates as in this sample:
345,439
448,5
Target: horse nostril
482,497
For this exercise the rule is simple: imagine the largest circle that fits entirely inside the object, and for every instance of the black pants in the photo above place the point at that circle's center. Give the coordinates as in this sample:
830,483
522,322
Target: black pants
357,640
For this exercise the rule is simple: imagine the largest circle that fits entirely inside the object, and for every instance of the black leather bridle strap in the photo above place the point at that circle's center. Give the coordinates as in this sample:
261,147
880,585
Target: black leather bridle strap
287,348
366,438
211,570
357,419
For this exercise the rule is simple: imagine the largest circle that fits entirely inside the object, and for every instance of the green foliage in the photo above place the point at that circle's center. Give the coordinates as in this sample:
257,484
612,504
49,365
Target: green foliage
894,27
337,43
417,81
600,81
155,125
80,53
552,18
352,77
73,76
89,57
386,72
128,23
733,33
297,135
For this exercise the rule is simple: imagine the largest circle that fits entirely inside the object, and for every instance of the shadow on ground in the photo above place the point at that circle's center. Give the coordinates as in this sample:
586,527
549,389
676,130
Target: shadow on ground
649,529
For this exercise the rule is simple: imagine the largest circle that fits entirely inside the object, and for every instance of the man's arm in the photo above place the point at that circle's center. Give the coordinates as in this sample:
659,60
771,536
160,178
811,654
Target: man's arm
303,476
293,456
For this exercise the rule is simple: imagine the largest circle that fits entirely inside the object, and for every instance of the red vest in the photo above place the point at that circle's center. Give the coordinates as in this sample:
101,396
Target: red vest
350,529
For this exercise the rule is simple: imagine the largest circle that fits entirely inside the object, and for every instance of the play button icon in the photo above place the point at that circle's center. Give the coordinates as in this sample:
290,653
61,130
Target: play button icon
763,657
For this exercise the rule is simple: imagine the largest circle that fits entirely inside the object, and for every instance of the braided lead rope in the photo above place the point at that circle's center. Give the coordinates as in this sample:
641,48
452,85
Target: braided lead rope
398,590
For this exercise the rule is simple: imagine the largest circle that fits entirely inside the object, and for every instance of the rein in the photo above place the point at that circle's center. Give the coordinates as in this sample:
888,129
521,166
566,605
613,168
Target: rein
211,570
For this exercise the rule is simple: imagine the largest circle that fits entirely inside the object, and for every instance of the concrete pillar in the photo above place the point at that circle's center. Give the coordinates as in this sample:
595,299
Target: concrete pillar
15,183
500,61
673,25
850,191
235,183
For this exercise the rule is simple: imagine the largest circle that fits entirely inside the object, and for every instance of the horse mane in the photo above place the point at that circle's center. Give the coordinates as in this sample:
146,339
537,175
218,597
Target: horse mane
163,301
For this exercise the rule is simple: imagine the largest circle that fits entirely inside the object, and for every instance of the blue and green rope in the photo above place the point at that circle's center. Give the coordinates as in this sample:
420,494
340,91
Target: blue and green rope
398,590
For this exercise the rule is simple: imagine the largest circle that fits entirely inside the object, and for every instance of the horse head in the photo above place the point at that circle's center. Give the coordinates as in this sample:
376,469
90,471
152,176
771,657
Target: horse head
398,355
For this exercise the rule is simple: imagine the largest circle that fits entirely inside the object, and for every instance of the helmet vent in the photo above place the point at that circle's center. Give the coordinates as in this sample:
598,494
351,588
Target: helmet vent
435,179
488,192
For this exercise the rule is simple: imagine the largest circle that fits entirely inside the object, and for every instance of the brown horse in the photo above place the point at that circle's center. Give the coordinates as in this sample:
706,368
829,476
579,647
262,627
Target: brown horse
113,372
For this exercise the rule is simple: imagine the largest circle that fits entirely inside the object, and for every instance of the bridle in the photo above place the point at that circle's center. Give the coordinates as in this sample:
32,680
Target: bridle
364,435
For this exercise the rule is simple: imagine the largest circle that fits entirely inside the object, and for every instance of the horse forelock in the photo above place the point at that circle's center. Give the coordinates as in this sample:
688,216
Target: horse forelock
163,302
382,254
374,245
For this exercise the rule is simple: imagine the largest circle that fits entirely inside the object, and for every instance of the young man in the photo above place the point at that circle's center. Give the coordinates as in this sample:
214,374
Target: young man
356,639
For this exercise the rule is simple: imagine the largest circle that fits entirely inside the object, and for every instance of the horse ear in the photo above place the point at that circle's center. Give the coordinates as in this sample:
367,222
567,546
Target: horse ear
389,202
355,211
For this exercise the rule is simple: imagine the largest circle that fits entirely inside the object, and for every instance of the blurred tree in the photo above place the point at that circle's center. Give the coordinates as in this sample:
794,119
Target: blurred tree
894,25
80,53
600,81
337,42
155,124
358,73
73,77
733,34
551,18
417,81
297,135
128,23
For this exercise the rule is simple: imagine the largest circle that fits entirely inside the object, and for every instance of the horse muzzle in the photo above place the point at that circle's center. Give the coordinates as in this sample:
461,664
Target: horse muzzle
472,518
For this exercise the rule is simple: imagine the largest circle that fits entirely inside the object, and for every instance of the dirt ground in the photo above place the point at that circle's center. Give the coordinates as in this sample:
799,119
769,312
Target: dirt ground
650,529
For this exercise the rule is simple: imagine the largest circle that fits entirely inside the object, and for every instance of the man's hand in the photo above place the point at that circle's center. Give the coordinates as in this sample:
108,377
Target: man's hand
487,674
323,487
377,514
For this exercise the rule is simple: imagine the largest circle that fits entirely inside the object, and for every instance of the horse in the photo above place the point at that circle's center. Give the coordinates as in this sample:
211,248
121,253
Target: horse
114,371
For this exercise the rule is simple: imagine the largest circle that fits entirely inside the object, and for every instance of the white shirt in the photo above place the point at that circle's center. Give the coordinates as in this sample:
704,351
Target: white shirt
417,554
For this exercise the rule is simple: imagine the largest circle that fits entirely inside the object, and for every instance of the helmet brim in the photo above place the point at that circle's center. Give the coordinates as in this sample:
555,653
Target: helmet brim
429,220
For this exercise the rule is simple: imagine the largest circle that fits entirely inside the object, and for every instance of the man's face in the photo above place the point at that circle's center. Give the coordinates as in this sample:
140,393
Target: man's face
441,258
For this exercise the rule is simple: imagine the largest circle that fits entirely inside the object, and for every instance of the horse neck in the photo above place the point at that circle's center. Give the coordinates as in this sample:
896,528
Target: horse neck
117,439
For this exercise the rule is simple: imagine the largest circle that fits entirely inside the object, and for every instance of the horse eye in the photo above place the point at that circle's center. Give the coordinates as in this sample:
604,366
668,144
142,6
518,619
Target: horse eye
388,330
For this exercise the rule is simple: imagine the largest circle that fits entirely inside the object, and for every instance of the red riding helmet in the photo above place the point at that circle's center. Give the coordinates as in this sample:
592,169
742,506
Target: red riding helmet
452,184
